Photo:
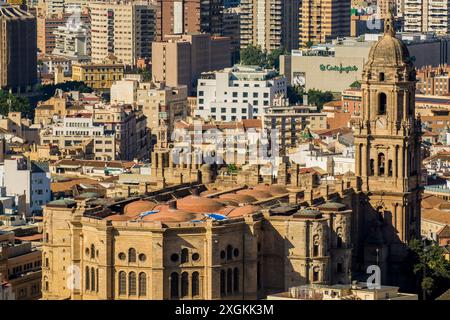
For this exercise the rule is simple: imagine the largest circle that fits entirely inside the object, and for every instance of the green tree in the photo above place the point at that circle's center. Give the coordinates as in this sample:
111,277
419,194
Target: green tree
430,268
356,85
253,56
273,57
295,94
319,98
12,103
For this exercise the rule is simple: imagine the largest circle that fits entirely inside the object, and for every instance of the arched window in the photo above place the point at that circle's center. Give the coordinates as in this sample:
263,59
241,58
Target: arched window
315,246
122,283
229,252
92,279
339,237
174,286
92,251
381,165
132,255
229,281
46,284
195,284
132,284
382,101
184,284
236,280
96,279
142,284
390,168
372,167
87,282
316,274
381,77
340,268
184,255
222,282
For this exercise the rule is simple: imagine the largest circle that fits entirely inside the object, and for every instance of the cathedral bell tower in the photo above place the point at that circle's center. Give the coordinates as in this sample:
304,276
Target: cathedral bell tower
387,146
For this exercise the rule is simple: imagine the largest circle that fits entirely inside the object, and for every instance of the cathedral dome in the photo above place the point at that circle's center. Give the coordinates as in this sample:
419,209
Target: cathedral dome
389,51
198,204
137,207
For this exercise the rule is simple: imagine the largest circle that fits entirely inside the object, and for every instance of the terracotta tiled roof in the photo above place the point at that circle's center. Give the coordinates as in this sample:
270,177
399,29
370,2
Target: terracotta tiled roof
436,215
67,185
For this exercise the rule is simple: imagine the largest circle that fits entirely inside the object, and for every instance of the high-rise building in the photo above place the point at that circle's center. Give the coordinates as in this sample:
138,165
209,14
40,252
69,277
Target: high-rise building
123,29
270,24
323,20
18,49
185,16
47,25
72,41
427,16
181,59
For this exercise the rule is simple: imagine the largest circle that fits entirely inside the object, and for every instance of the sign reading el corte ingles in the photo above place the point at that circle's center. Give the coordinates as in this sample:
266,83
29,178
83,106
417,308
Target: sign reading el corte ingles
340,68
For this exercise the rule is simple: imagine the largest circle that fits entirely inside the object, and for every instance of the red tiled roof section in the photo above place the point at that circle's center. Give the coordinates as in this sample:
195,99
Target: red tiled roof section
67,185
435,215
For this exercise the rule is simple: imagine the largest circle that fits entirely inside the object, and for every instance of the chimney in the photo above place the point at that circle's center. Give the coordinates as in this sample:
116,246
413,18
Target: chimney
305,99
195,192
173,205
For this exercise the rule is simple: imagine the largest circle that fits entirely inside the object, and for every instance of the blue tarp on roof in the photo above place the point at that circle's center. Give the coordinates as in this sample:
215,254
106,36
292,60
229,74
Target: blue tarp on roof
216,216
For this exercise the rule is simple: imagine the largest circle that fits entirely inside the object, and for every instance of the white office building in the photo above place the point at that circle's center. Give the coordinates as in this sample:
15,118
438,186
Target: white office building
237,93
29,178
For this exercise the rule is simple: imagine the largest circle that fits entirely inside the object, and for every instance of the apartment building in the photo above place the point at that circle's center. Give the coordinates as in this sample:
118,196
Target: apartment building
232,29
48,24
188,16
72,41
81,132
129,127
29,178
290,121
182,58
237,93
18,59
20,268
427,16
270,24
323,20
123,29
433,81
162,105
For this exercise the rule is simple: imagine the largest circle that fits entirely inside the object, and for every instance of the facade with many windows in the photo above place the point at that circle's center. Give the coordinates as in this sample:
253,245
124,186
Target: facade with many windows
238,93
179,249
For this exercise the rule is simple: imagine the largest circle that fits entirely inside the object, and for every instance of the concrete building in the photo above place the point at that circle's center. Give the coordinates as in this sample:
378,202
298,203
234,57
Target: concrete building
181,59
323,20
237,93
20,268
342,61
188,16
29,178
73,131
232,29
18,49
427,16
48,24
73,41
270,24
123,29
162,105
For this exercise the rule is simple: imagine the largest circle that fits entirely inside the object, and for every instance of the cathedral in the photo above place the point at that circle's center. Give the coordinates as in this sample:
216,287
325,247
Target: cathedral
196,236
